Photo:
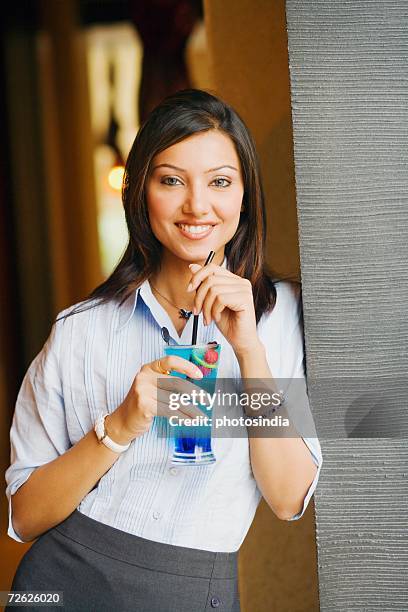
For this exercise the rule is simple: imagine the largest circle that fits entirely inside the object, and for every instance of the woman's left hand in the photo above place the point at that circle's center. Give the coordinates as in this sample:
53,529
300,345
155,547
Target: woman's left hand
228,300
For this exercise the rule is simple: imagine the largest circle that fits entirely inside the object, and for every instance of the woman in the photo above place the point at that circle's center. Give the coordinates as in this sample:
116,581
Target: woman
118,526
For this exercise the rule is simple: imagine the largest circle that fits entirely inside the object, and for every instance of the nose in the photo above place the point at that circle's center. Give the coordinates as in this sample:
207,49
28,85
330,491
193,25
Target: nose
196,202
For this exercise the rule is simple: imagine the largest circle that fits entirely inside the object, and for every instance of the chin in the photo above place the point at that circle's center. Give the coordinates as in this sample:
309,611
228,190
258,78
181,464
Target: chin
194,257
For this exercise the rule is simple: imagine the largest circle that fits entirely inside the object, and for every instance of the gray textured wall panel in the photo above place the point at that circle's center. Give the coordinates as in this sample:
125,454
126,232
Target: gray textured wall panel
349,88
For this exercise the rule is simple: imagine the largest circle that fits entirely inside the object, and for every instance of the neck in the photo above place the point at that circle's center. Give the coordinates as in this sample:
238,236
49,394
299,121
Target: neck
174,276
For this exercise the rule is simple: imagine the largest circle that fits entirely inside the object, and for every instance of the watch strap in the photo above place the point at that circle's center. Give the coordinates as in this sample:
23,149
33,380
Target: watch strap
105,439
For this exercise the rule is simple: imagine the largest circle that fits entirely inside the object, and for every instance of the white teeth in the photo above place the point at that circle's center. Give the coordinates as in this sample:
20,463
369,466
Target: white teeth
195,229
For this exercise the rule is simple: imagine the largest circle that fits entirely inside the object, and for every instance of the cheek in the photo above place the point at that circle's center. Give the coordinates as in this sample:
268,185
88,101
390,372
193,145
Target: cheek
232,208
159,207
232,214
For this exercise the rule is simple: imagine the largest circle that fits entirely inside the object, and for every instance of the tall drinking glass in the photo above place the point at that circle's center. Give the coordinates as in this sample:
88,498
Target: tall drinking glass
192,443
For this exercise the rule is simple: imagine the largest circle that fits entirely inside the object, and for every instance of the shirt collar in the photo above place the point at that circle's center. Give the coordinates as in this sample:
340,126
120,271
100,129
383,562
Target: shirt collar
126,311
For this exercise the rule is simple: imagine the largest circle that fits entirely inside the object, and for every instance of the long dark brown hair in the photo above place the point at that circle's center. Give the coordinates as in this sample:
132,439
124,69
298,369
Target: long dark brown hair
178,116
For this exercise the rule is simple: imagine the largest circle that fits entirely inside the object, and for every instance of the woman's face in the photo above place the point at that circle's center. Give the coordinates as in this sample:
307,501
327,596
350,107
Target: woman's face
194,195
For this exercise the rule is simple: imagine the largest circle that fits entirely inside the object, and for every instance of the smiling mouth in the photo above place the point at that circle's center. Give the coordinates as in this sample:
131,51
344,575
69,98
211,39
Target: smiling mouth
195,231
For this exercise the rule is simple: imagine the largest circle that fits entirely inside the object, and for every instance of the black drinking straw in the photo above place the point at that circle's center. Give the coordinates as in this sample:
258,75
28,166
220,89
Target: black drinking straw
195,323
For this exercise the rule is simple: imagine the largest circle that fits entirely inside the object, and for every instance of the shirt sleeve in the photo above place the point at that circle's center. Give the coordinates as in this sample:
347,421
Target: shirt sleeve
292,367
38,432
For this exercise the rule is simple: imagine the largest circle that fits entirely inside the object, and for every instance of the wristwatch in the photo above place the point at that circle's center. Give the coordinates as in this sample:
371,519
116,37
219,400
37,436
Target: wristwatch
105,439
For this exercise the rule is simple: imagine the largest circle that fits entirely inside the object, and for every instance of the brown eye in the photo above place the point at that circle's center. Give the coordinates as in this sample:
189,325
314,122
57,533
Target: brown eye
169,178
222,179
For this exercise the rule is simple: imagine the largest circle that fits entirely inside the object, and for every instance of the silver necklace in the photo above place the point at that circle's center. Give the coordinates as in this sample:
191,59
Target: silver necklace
183,313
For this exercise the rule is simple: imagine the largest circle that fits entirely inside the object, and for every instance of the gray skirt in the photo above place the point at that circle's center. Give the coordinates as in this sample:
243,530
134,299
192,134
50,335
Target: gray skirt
98,567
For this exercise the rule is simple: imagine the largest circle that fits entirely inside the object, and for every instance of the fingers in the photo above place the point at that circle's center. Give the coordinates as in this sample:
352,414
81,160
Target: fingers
160,404
174,362
149,395
216,310
218,298
232,299
211,283
161,408
210,288
169,404
177,385
172,394
217,301
208,270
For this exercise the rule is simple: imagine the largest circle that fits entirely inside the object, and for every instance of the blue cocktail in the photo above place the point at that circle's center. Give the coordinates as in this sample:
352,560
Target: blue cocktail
192,443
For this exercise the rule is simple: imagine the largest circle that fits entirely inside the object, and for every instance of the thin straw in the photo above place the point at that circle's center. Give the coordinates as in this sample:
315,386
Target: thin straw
195,323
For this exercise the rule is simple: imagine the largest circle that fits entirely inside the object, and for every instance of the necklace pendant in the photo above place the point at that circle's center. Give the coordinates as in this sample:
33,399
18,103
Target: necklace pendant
185,314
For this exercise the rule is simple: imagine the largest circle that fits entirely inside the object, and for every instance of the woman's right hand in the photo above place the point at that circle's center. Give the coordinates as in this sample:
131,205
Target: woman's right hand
146,399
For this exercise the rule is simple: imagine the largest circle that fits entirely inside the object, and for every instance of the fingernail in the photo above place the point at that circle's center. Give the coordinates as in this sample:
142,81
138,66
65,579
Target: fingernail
195,311
199,373
190,287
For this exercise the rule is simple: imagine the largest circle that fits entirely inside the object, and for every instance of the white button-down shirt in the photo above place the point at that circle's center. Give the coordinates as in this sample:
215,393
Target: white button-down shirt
87,366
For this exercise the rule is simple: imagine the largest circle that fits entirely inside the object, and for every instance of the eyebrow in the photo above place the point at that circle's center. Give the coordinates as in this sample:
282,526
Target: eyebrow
181,169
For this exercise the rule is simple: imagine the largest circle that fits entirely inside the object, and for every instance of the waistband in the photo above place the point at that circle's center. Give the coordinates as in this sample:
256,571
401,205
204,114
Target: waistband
158,556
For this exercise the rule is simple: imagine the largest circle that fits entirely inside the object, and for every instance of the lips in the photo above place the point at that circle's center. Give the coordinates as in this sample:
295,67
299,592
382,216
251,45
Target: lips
194,236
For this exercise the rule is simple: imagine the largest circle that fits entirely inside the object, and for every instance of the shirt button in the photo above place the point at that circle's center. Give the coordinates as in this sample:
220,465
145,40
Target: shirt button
173,471
215,602
156,515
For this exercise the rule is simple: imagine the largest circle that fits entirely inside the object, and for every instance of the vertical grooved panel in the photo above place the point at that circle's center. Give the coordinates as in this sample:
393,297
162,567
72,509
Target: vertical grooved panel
349,93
